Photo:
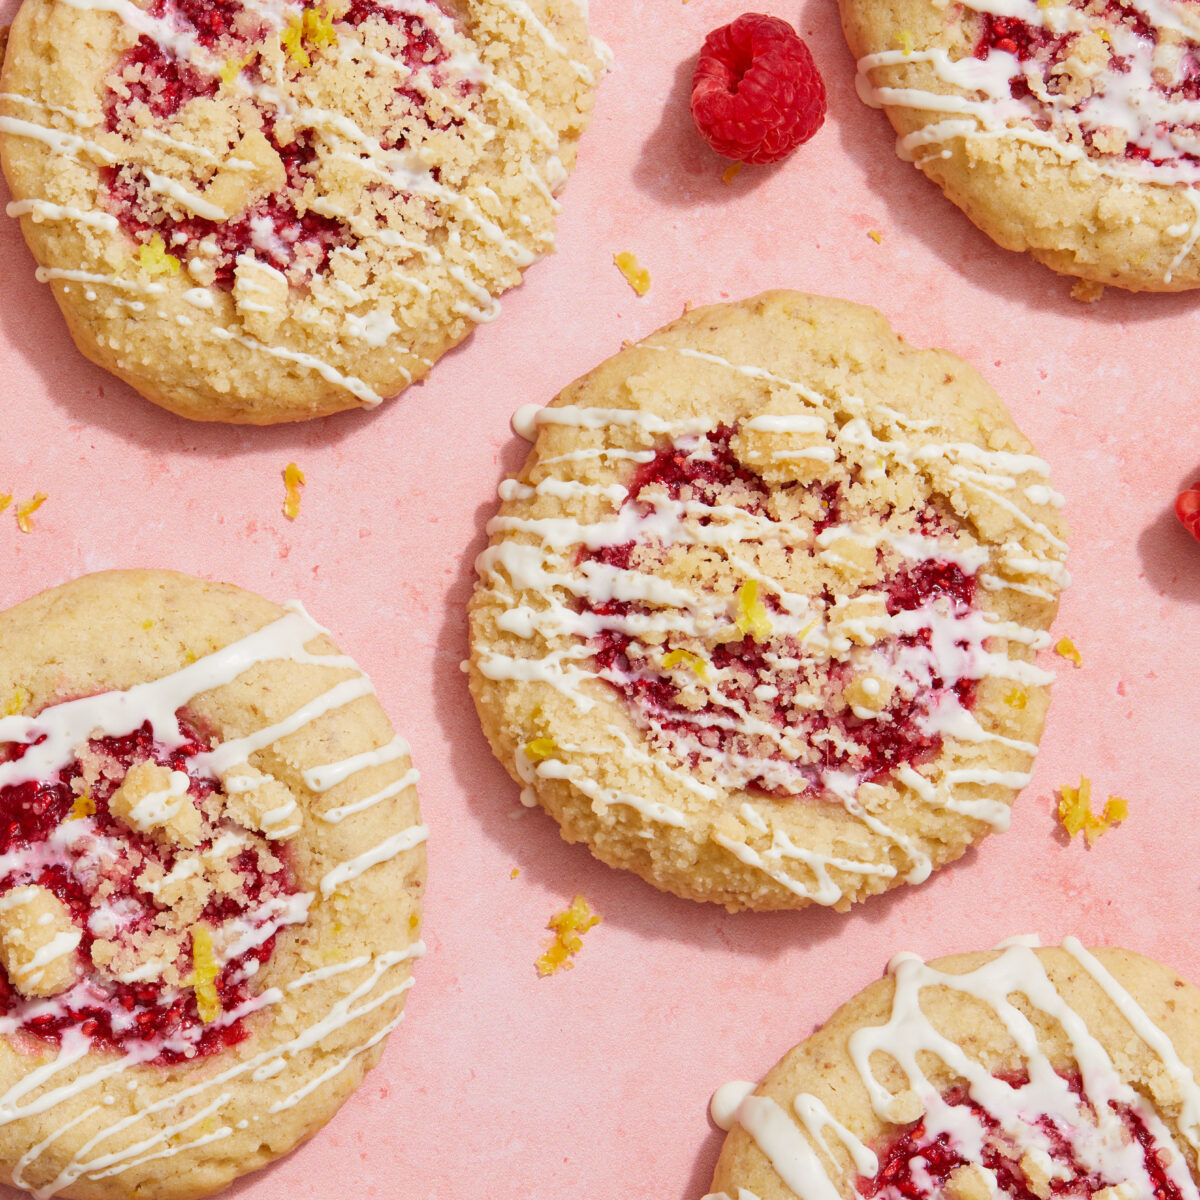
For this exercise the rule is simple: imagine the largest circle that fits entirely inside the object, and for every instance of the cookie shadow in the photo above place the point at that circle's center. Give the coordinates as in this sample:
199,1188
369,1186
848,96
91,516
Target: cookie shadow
677,167
1169,554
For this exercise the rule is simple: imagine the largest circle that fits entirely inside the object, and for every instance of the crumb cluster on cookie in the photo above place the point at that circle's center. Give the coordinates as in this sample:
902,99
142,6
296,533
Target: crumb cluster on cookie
211,863
307,204
1022,1072
121,872
1065,128
758,616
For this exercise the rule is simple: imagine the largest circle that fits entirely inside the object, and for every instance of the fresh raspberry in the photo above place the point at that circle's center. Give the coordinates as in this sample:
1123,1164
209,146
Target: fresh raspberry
756,94
1187,509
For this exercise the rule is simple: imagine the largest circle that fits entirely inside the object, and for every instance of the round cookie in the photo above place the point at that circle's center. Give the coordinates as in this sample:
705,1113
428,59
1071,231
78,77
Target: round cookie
1020,1072
269,212
757,617
211,867
1066,128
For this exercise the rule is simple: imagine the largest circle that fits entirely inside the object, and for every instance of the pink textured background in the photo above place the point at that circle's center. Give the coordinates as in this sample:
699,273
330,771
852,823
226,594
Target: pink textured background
595,1082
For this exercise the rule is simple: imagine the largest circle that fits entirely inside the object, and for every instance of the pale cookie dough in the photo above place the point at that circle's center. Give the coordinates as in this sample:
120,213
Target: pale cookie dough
211,868
1020,1072
1066,128
757,618
258,212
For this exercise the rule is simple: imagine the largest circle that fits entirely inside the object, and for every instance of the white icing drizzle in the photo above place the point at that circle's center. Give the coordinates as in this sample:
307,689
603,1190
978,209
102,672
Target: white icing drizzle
1094,1129
549,596
51,738
499,106
1130,106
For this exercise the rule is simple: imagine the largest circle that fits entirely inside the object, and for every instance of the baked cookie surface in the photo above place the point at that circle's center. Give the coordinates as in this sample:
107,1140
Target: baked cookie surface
757,617
260,212
211,867
1022,1072
1066,129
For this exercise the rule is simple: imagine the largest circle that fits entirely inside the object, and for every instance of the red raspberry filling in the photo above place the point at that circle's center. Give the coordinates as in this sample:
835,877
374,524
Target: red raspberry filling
279,229
841,741
916,1167
126,1016
1047,50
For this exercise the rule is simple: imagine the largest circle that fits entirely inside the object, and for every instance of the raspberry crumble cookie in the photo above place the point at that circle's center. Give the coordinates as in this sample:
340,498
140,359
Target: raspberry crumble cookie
1021,1072
1063,127
259,212
211,864
757,618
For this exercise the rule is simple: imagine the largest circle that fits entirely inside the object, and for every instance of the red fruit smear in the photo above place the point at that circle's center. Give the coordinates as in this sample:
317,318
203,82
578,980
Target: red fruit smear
29,813
879,745
914,1157
277,228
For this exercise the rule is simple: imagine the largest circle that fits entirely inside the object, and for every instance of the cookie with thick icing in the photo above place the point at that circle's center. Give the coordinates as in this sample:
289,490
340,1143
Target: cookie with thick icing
211,867
267,212
757,618
1066,129
1020,1072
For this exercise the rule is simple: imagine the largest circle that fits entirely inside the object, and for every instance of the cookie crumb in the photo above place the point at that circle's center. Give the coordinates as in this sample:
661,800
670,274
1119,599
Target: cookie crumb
293,481
25,511
1086,291
1065,648
1075,812
636,276
37,941
970,1182
567,926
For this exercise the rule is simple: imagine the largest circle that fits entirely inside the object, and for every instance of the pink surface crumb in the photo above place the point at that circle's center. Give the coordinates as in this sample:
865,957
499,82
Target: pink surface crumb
595,1081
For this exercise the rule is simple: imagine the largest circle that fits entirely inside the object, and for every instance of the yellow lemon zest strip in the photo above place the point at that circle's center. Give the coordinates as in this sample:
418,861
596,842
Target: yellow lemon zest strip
1017,698
292,40
540,748
1075,812
875,236
16,702
293,481
567,926
5,500
698,664
84,806
204,974
318,27
752,616
636,276
1065,648
26,510
907,42
234,67
731,172
154,259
